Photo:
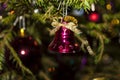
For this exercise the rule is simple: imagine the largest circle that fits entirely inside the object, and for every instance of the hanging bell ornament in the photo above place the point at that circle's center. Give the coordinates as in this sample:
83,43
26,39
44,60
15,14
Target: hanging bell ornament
64,41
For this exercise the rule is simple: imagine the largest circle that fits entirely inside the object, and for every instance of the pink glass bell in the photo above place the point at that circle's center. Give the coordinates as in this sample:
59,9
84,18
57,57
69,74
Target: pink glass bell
64,42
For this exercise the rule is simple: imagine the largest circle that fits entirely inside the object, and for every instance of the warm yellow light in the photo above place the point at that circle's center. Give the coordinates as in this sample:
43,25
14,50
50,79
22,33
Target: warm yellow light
115,21
51,69
100,78
108,6
1,17
12,12
22,31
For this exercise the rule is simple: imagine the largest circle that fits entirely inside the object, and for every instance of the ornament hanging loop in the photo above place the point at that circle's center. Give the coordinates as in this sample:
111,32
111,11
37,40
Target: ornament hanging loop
22,22
65,7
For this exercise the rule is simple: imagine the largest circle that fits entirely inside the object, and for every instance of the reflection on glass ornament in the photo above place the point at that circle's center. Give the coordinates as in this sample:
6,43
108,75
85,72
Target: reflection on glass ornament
77,12
64,41
23,52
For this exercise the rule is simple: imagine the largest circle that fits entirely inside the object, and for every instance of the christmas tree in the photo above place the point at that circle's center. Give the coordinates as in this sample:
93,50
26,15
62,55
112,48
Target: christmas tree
59,40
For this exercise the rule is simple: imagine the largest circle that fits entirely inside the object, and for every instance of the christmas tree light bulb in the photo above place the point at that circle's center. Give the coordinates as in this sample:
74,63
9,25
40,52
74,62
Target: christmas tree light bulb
36,10
22,32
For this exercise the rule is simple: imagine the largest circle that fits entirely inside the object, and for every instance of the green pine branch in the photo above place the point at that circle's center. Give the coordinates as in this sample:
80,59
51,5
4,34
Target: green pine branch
22,7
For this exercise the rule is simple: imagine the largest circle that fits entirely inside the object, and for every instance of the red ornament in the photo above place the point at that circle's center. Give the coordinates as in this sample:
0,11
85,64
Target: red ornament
64,42
27,50
94,17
